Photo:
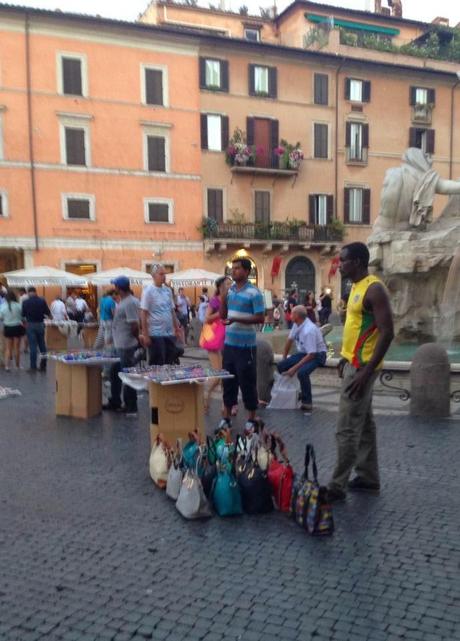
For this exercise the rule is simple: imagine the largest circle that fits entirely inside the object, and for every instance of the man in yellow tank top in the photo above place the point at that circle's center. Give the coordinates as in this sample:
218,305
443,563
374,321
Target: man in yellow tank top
367,335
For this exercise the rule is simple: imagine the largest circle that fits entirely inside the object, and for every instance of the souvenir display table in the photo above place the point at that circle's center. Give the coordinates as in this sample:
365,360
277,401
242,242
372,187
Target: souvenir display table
78,383
176,397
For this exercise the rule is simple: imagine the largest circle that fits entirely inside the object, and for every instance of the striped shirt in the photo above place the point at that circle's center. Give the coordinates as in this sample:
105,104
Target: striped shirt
242,303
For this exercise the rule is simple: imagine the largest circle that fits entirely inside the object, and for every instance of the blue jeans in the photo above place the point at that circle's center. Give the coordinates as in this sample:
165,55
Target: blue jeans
303,374
36,335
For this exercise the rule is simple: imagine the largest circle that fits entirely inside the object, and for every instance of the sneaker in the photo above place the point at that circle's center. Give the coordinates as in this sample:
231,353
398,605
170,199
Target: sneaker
334,495
306,407
225,424
360,485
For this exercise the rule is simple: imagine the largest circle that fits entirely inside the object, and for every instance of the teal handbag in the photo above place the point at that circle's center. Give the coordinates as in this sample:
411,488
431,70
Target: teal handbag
190,452
225,493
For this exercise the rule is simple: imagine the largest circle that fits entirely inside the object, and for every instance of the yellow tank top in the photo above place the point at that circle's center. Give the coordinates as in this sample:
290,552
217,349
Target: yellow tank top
360,333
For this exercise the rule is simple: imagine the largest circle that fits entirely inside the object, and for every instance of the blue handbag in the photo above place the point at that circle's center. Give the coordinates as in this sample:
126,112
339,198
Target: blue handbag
225,493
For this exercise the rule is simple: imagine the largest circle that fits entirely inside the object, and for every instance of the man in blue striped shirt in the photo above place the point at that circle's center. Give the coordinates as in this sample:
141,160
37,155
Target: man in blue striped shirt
242,309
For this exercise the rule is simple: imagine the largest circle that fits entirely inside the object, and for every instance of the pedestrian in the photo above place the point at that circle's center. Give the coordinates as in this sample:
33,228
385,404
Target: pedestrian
34,310
23,295
326,305
202,307
204,293
71,305
367,335
125,333
213,317
13,328
311,353
106,312
242,309
183,310
158,319
310,304
289,304
58,310
81,308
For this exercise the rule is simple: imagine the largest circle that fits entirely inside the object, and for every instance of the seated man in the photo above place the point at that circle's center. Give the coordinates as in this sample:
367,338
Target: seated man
311,353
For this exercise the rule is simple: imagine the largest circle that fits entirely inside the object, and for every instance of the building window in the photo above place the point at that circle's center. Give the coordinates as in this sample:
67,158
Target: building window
214,132
422,138
357,142
262,81
252,33
422,96
213,74
357,206
357,90
215,202
75,146
3,204
321,89
321,143
156,153
78,207
262,207
158,210
321,209
72,74
154,85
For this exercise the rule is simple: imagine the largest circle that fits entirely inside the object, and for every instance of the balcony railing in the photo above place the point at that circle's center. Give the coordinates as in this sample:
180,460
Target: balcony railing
274,232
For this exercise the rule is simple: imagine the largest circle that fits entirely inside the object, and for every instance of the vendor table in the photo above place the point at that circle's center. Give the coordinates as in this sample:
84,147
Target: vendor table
79,385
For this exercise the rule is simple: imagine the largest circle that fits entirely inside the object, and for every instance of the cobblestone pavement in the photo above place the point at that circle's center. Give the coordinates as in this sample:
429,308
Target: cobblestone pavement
90,550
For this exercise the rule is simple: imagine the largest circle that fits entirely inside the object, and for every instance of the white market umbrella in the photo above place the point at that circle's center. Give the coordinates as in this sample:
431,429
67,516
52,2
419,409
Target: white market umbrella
192,278
43,276
106,277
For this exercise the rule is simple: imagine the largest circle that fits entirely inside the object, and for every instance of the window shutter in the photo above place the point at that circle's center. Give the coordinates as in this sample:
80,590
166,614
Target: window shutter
412,137
274,142
347,88
250,131
321,89
348,134
412,96
153,86
366,206
366,91
346,205
365,136
312,209
158,213
330,208
273,82
224,130
262,207
430,137
215,205
204,131
251,80
432,96
320,141
78,208
156,153
71,76
75,146
202,73
224,84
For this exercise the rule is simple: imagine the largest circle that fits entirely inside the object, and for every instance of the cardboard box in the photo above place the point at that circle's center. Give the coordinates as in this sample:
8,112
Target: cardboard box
54,339
89,335
176,410
78,390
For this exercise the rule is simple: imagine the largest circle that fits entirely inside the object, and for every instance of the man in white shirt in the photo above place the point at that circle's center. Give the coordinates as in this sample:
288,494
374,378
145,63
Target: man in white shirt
311,353
58,310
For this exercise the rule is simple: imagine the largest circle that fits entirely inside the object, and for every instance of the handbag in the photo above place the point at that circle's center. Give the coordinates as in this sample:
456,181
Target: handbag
191,450
309,505
255,490
225,492
159,462
192,502
212,336
280,476
209,469
175,475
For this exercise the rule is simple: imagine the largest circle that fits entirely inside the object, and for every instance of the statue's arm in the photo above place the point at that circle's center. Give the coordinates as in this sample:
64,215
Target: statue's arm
448,187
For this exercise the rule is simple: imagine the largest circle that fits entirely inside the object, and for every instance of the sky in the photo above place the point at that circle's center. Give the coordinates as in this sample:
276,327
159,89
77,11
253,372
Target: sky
424,10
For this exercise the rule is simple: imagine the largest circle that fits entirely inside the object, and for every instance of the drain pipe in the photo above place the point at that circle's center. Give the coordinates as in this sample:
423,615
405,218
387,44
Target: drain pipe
30,127
451,150
336,166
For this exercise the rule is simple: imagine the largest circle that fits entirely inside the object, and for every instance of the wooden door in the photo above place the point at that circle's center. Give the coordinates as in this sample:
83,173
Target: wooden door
262,141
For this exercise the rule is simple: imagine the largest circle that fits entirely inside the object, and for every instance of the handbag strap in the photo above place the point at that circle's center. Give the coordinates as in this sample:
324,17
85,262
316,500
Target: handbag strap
310,456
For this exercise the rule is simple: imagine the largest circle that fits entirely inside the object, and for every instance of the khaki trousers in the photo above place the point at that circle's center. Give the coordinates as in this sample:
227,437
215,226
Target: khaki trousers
356,435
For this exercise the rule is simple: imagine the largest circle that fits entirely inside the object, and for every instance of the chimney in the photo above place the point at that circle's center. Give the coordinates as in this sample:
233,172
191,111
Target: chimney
444,22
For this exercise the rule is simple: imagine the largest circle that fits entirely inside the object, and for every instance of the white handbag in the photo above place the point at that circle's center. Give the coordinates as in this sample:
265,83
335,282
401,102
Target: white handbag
192,502
159,462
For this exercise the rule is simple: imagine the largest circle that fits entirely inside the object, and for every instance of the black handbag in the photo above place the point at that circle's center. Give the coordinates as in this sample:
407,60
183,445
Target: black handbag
209,469
255,489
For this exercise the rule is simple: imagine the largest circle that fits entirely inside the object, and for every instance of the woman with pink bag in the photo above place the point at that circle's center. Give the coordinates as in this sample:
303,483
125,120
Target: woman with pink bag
213,333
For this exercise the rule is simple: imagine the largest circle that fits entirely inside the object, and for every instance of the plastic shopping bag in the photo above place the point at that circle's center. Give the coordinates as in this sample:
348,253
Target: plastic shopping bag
285,393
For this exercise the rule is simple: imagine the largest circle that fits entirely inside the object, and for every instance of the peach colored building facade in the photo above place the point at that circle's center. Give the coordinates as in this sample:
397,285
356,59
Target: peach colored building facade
113,136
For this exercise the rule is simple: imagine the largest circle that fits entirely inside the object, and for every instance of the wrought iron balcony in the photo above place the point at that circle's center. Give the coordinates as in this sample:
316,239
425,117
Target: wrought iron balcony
275,232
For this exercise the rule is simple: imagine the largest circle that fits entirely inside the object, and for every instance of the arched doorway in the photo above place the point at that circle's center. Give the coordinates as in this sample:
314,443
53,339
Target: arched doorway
300,274
242,253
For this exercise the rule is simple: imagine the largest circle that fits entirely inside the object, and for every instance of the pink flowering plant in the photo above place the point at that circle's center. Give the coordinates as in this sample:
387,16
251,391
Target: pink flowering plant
290,155
238,151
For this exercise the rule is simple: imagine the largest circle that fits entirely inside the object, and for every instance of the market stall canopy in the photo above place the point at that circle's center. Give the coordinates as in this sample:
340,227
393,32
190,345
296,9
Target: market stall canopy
106,277
43,276
192,278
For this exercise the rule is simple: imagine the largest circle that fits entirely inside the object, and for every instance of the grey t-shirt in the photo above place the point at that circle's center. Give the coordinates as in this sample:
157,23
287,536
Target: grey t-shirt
126,312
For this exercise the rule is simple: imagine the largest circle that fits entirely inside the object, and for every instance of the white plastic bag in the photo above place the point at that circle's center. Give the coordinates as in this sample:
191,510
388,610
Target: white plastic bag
285,393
